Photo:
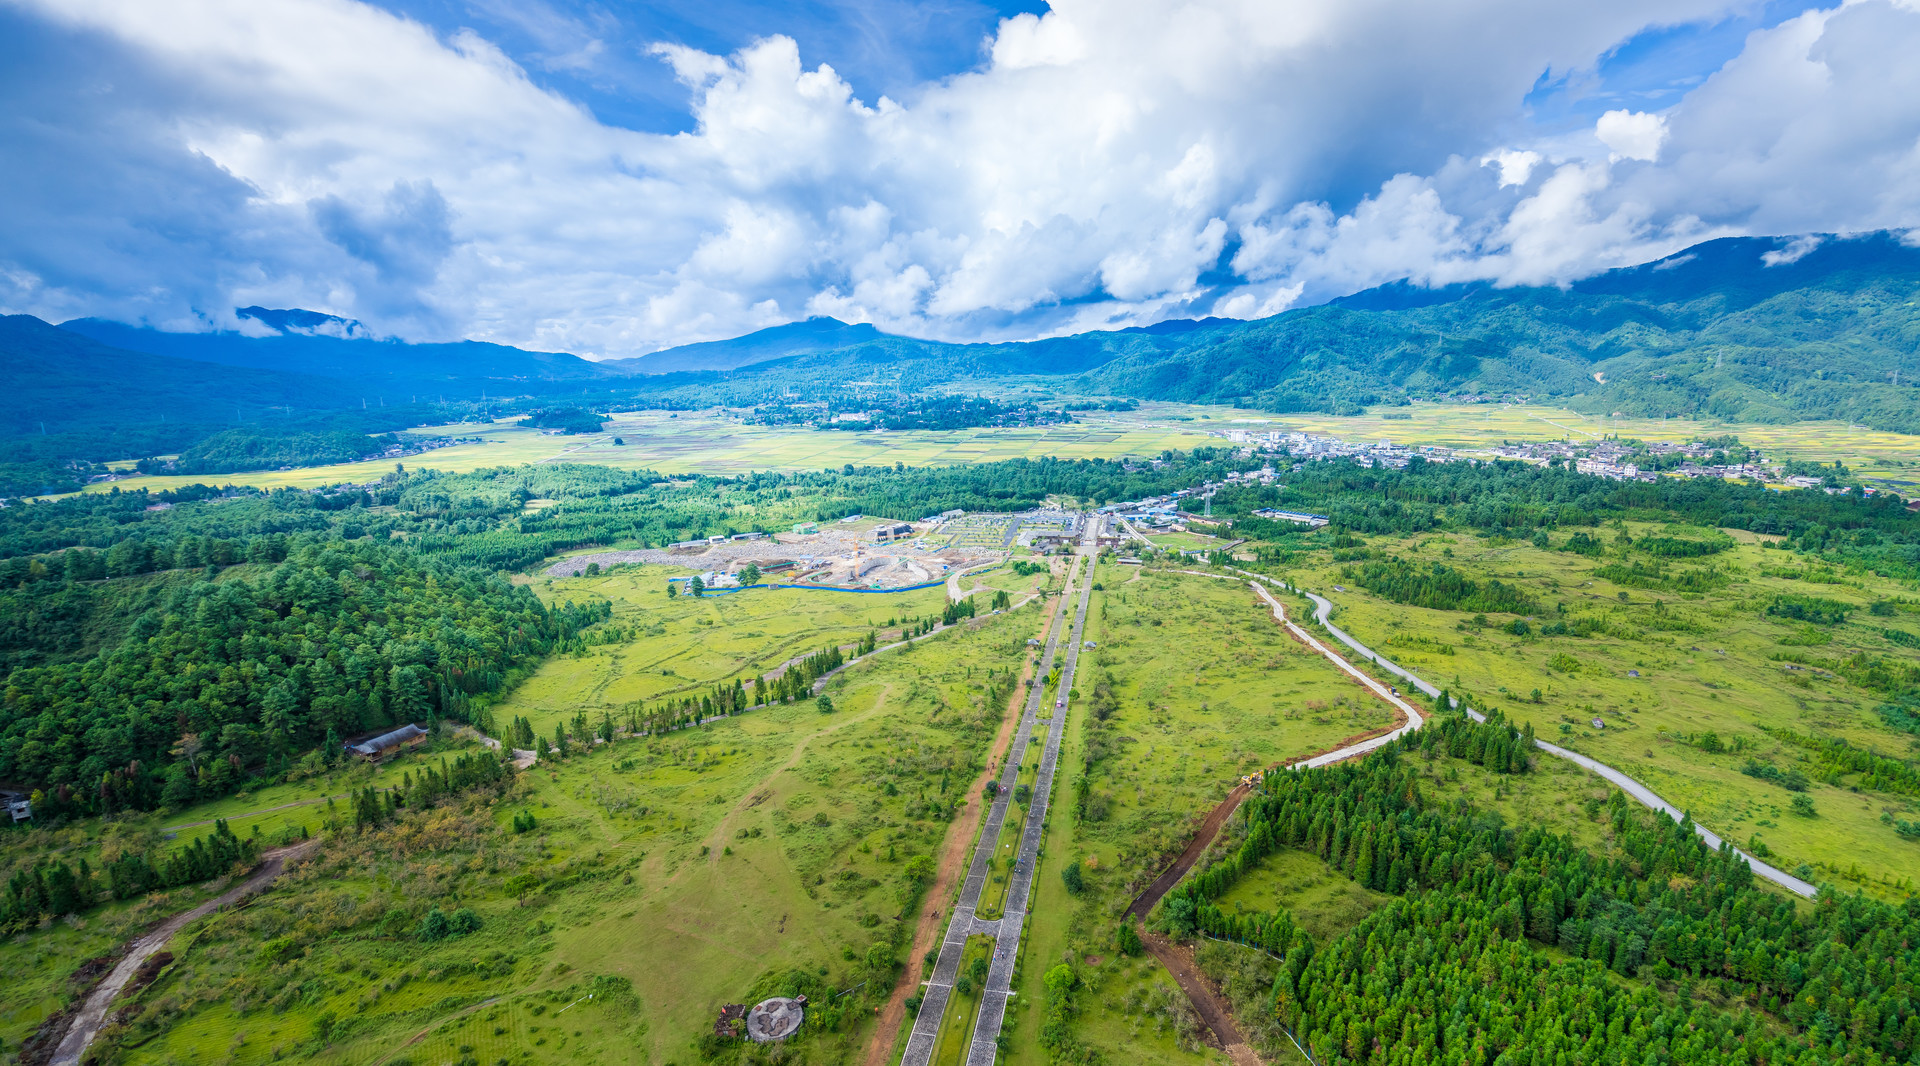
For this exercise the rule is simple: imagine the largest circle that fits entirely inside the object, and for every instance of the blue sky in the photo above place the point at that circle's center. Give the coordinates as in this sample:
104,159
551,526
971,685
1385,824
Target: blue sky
598,53
613,179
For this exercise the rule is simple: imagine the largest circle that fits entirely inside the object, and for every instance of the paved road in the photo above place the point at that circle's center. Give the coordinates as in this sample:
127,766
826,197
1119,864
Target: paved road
1006,930
954,595
1323,609
1006,945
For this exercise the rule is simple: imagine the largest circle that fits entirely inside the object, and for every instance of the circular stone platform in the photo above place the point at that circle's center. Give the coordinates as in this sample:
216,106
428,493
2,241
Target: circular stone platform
775,1019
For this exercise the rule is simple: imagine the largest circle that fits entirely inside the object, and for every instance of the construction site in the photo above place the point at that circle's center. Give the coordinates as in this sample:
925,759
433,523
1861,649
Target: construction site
855,552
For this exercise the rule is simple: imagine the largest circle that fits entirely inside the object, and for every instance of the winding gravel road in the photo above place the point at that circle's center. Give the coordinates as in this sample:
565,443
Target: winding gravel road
1322,612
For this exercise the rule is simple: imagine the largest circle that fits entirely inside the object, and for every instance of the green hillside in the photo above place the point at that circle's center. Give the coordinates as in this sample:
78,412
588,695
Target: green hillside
1711,331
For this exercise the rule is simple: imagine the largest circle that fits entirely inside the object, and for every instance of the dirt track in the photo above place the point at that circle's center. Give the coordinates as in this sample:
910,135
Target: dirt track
92,1016
1178,960
953,863
1206,1000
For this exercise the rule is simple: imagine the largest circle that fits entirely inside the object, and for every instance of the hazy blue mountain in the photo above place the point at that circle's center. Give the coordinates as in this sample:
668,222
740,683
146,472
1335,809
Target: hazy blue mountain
312,343
301,321
818,334
69,381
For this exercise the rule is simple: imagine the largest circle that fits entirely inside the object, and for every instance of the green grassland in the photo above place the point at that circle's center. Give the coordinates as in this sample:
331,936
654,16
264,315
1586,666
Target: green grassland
1179,542
41,962
684,645
1707,662
1201,687
665,877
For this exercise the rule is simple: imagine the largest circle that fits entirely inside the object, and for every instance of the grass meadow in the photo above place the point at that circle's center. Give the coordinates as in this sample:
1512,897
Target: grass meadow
1669,667
719,443
1204,687
683,645
666,876
768,852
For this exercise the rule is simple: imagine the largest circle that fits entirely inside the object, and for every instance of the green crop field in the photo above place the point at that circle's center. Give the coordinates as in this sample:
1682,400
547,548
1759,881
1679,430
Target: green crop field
716,442
1706,662
719,442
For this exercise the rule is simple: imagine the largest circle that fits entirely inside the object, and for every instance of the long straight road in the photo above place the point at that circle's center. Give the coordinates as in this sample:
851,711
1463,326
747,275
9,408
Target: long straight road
1006,944
1322,612
1006,930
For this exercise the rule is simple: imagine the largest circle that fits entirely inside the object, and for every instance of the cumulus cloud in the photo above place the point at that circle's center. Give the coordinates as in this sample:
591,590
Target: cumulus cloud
1631,134
1109,162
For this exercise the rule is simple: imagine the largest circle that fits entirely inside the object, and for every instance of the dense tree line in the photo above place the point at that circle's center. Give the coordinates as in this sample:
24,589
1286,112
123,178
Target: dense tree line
234,450
1438,587
225,680
1447,974
1515,499
1833,758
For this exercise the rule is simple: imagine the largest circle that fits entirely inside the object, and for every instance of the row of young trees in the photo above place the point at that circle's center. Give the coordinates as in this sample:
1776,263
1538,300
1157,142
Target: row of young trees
1438,587
474,770
1447,974
53,889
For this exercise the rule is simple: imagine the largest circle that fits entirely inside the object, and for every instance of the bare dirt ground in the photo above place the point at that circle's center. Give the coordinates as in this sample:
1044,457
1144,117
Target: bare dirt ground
952,866
92,1015
1207,1001
1202,839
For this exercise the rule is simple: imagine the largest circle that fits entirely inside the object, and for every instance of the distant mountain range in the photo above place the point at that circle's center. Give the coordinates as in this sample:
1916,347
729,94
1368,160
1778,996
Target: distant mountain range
1744,329
308,342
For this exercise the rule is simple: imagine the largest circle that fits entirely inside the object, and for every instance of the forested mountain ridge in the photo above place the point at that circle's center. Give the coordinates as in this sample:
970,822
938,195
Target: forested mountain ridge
1714,330
1745,329
55,380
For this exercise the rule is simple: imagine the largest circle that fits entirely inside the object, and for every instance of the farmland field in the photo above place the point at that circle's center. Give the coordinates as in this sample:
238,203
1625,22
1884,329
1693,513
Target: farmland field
716,442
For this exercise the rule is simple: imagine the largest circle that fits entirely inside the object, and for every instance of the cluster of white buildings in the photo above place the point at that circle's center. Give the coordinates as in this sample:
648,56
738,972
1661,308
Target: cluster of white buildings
1308,446
1612,459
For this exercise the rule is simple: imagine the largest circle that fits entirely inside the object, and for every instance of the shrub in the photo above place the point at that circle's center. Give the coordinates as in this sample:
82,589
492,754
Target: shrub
1815,609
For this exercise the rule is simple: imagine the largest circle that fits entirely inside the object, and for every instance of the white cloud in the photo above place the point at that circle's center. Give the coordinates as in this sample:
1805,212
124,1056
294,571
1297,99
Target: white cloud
1631,134
1516,165
1096,169
1793,251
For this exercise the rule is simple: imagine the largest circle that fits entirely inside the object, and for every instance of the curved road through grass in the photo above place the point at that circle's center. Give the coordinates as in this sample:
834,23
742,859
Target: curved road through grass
1322,613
